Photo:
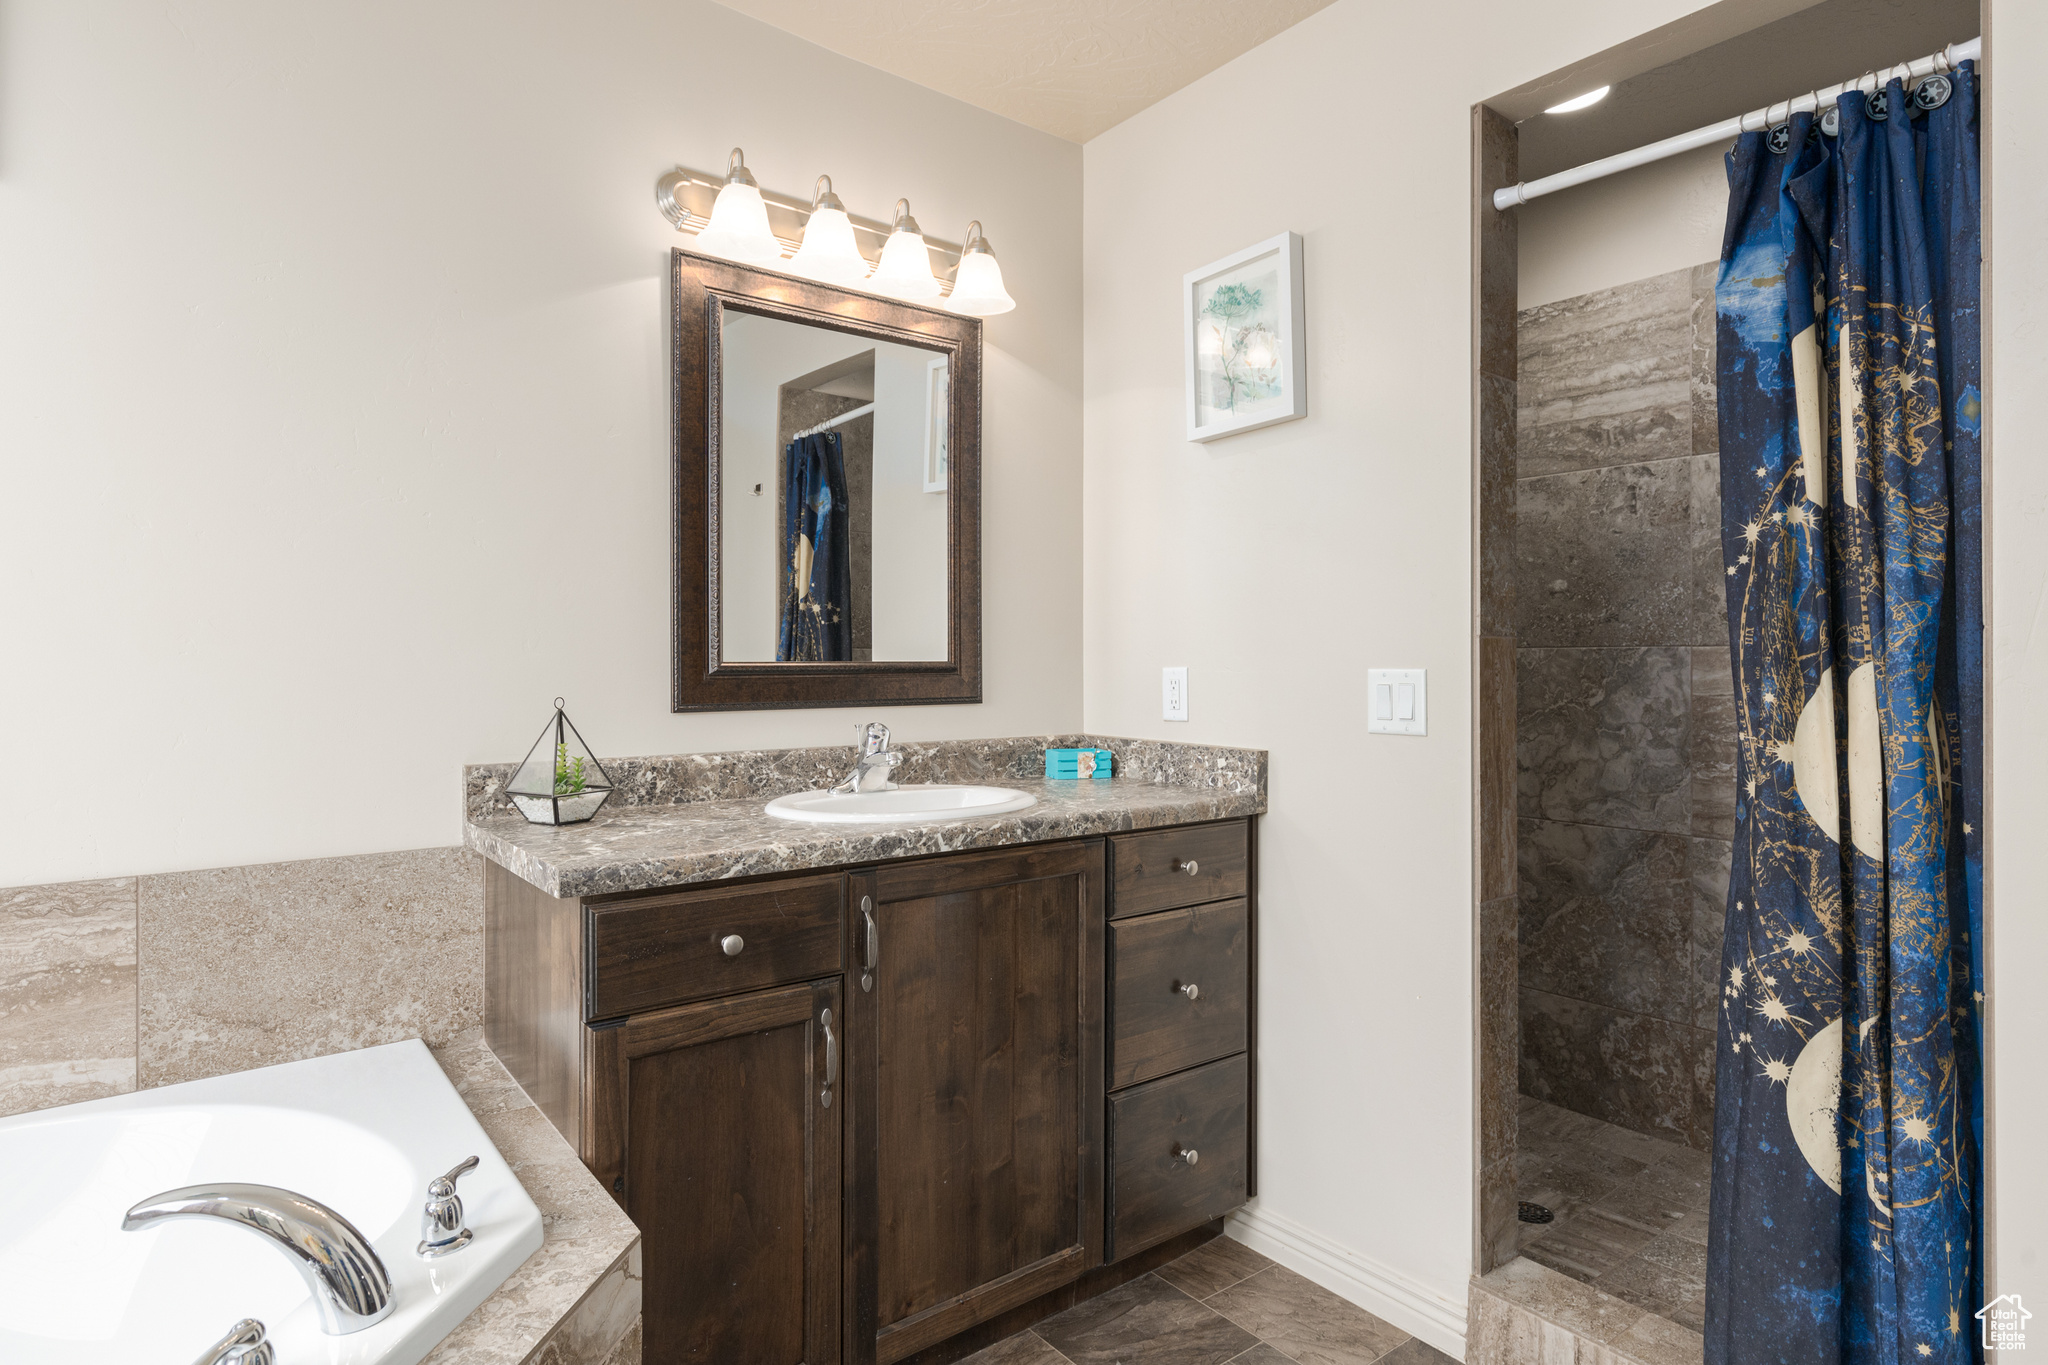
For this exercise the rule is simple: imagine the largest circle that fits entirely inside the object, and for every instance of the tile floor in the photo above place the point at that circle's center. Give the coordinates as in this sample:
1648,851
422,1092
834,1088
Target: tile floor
1220,1302
1631,1210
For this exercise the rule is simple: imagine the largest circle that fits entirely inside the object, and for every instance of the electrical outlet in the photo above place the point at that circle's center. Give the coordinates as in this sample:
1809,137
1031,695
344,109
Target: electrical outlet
1173,693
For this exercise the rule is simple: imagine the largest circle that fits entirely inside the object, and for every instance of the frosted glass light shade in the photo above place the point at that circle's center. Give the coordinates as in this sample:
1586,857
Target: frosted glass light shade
905,270
738,229
829,252
978,286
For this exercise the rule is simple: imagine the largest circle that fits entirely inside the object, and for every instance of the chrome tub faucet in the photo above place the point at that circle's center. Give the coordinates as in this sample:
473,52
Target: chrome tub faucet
350,1287
876,761
245,1344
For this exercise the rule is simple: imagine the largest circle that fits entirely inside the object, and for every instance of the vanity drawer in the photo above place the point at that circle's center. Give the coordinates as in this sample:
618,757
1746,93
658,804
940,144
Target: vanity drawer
1154,1192
1155,1028
668,949
1167,868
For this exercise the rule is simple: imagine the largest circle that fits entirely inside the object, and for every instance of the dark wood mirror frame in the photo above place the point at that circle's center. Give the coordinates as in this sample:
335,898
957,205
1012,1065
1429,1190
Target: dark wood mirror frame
702,289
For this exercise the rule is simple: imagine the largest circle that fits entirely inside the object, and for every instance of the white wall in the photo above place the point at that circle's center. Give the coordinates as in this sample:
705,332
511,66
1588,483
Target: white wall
1649,221
334,402
2016,491
908,556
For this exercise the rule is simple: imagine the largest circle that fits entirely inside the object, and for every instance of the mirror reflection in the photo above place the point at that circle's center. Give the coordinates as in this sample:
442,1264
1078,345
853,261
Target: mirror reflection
832,508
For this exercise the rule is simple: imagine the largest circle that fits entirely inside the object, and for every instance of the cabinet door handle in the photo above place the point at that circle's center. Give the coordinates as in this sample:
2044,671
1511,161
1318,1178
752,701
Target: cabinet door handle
1191,867
1191,991
831,1049
733,945
1187,1154
873,957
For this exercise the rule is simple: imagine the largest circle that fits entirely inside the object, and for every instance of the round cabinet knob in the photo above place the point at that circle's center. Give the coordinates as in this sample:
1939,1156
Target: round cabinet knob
1191,991
1191,867
1187,1154
733,944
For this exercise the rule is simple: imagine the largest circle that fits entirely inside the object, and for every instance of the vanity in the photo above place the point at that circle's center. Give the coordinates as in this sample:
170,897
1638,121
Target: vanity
881,1081
866,1090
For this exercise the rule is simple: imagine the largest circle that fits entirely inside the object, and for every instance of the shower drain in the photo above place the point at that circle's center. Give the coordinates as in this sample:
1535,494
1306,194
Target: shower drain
1533,1213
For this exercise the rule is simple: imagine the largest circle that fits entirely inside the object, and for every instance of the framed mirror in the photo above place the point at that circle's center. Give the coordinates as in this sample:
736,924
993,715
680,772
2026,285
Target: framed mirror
827,494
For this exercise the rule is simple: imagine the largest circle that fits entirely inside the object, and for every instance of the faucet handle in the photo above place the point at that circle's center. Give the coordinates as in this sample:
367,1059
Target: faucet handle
245,1344
874,737
441,1227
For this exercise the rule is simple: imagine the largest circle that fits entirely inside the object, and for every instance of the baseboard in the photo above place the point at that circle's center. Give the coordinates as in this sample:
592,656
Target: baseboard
1414,1308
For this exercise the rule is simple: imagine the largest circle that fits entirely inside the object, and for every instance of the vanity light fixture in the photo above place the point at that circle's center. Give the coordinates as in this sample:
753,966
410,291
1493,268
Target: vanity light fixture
978,281
739,220
905,270
1585,101
730,215
829,252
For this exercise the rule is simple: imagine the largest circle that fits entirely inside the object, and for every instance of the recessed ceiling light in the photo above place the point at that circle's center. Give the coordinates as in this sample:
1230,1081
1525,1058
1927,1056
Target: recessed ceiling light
1585,101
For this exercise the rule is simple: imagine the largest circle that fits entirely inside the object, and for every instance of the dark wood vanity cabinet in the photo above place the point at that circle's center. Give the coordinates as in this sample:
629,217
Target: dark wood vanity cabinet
977,1126
859,1113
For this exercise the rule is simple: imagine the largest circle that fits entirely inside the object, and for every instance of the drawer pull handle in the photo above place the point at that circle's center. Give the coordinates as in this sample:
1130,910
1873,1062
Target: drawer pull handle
733,945
1191,867
831,1058
1187,1154
1191,991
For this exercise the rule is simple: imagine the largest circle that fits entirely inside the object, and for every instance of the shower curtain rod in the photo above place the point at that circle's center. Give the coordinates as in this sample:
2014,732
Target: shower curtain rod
1948,59
831,422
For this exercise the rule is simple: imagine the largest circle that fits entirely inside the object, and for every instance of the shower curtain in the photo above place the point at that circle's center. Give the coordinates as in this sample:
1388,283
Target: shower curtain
1847,1211
817,565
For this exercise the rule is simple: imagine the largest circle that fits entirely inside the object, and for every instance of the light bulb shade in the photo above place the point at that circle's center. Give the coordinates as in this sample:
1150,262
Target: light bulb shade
905,270
738,229
829,252
978,286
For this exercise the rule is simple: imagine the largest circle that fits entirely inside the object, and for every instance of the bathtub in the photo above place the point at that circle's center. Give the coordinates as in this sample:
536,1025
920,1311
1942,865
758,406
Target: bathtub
362,1132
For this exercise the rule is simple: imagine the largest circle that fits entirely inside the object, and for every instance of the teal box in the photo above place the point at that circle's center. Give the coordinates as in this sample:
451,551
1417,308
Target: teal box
1078,763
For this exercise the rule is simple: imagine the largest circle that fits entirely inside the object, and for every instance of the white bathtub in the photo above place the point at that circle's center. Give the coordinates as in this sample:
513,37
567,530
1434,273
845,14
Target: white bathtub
362,1132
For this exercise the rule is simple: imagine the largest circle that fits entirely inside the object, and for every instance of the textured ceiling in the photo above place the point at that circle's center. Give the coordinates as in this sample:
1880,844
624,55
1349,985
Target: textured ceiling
1069,67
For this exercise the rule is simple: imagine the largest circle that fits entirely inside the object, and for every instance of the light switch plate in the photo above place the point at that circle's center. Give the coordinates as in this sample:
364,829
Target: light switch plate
1396,701
1173,694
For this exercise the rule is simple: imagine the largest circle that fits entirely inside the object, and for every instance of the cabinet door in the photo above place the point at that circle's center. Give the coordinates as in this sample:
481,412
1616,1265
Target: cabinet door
977,1120
718,1125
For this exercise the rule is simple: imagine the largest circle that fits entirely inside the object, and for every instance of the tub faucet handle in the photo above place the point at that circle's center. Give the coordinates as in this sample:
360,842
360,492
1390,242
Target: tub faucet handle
244,1344
441,1227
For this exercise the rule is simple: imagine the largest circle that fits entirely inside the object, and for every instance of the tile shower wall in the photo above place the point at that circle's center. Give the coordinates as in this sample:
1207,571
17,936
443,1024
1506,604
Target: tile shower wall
1624,708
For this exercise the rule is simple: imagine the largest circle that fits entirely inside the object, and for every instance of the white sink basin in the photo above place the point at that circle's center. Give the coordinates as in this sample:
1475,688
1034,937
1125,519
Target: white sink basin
933,801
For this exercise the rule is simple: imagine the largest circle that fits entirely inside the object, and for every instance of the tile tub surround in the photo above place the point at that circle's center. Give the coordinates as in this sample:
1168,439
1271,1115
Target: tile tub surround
142,981
1624,707
576,1301
67,993
245,966
1221,1302
679,833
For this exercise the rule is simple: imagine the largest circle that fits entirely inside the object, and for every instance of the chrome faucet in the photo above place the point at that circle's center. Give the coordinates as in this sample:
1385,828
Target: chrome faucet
441,1227
875,762
351,1289
243,1345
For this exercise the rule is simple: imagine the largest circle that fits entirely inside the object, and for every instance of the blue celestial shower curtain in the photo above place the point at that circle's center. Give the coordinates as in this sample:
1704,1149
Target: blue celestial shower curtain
817,561
1847,1214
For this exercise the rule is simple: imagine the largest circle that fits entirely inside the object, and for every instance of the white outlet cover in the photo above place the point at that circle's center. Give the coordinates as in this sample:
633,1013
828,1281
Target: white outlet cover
1402,708
1173,694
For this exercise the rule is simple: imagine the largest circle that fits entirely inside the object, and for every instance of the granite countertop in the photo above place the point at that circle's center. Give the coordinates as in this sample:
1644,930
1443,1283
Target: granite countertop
576,1301
698,817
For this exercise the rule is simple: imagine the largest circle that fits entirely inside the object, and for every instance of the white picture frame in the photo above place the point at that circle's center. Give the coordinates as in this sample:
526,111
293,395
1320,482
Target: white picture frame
1246,340
936,398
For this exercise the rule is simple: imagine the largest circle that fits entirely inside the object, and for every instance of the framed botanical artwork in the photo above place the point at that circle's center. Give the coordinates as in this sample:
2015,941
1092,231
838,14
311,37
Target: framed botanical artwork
1246,340
935,414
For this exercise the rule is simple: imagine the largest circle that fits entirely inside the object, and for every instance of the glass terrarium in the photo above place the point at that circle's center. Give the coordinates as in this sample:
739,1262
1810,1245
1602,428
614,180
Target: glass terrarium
561,782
